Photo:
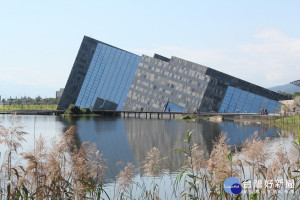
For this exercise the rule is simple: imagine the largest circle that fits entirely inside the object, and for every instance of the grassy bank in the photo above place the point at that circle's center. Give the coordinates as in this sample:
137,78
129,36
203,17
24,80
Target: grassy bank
291,121
13,107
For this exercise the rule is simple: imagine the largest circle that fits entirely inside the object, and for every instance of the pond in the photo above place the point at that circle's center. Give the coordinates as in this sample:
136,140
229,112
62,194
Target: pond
129,139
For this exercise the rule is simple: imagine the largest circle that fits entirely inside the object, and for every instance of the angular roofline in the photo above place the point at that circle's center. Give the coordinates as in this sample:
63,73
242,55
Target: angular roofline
98,41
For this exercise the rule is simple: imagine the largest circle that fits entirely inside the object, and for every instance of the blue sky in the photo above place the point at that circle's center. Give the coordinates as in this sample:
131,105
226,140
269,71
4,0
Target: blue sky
258,41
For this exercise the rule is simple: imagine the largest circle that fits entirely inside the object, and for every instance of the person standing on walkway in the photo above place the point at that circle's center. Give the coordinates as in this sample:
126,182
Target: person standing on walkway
266,111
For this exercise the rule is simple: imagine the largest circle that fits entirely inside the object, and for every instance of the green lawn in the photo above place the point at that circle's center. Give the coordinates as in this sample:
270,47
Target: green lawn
288,120
27,107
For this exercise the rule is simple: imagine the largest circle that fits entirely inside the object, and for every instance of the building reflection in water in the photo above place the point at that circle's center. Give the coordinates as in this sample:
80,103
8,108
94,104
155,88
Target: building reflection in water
129,139
238,133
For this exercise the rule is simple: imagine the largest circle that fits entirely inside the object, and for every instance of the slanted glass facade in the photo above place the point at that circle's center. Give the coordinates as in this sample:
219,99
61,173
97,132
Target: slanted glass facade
108,78
104,77
237,100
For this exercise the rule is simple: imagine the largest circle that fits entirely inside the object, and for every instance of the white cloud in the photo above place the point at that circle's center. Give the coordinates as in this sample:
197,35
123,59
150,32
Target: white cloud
276,54
271,58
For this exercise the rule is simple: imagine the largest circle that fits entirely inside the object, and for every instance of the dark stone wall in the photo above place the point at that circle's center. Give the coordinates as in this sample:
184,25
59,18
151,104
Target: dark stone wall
78,72
160,57
103,104
244,85
213,95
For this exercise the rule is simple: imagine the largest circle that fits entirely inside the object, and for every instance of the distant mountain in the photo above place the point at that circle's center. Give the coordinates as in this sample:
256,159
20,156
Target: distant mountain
288,88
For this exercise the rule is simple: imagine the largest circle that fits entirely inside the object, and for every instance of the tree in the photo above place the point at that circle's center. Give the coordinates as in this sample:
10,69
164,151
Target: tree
288,95
38,98
295,95
19,101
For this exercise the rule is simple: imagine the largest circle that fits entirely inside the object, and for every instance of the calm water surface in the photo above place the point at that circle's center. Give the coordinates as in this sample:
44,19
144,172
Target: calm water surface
129,139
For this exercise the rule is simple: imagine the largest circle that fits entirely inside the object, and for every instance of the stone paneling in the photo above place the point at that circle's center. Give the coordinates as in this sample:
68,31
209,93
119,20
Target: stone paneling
158,82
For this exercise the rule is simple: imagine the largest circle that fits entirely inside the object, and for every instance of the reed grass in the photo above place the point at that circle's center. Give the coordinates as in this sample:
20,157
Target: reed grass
63,170
67,170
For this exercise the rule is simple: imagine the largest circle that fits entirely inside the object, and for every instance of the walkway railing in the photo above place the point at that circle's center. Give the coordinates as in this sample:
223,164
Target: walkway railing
146,114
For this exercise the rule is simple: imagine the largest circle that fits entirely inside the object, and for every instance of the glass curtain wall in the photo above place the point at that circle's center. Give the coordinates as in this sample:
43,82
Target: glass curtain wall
109,76
237,100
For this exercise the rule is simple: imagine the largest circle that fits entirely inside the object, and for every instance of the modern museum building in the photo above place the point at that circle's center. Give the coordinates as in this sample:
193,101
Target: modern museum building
105,77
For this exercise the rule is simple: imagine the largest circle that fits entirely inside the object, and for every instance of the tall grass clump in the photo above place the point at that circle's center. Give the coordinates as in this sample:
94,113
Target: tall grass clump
153,164
127,188
153,167
262,174
12,138
125,181
61,170
193,173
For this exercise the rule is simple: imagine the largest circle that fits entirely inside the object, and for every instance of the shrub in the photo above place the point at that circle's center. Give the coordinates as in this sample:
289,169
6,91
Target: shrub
85,111
72,109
